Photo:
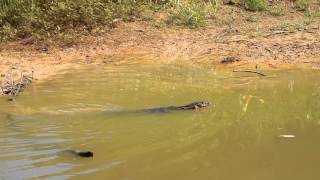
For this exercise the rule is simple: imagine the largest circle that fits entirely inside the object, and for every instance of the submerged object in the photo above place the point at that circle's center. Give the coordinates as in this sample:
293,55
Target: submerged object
192,106
85,153
81,153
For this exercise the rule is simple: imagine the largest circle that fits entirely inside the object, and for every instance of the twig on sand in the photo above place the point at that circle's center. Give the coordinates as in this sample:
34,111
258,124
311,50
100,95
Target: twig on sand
250,71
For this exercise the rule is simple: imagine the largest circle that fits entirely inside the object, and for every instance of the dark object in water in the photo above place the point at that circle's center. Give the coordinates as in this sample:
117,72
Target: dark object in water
85,154
229,60
249,71
192,106
81,153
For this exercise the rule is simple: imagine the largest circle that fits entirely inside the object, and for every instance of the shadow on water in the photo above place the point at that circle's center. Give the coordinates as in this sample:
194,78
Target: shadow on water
256,128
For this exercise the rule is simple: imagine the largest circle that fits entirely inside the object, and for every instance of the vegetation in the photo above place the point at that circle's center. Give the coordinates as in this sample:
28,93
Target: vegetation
51,17
276,12
310,7
255,5
57,18
192,13
46,18
302,5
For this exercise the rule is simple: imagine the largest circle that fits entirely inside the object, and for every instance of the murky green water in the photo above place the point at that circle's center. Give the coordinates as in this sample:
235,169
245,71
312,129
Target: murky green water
238,137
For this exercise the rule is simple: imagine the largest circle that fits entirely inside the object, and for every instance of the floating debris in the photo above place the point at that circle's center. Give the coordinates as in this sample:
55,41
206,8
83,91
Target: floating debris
287,136
85,154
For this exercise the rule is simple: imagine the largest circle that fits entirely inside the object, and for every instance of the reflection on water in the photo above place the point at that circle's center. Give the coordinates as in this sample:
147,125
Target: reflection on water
243,135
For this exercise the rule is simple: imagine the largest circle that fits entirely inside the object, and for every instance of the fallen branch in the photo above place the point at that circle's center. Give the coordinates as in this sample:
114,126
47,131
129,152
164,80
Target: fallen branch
250,71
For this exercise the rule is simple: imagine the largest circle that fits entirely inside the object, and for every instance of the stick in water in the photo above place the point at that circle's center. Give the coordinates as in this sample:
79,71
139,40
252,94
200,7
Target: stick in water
249,71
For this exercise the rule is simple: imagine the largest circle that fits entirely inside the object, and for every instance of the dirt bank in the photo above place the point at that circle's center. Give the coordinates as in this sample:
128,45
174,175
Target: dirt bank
269,42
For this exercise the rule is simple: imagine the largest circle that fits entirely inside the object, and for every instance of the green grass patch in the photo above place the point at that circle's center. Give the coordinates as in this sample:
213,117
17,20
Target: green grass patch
190,17
311,8
251,19
276,11
47,19
19,19
250,5
192,13
302,5
255,5
51,18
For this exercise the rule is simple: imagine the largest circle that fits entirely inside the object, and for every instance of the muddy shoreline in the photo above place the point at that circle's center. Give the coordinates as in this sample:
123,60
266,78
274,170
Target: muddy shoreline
140,42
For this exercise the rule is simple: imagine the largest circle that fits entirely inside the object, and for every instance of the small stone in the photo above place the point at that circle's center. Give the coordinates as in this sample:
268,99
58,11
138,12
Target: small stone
42,49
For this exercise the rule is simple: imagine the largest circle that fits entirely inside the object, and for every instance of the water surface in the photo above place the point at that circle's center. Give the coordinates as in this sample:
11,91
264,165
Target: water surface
257,127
